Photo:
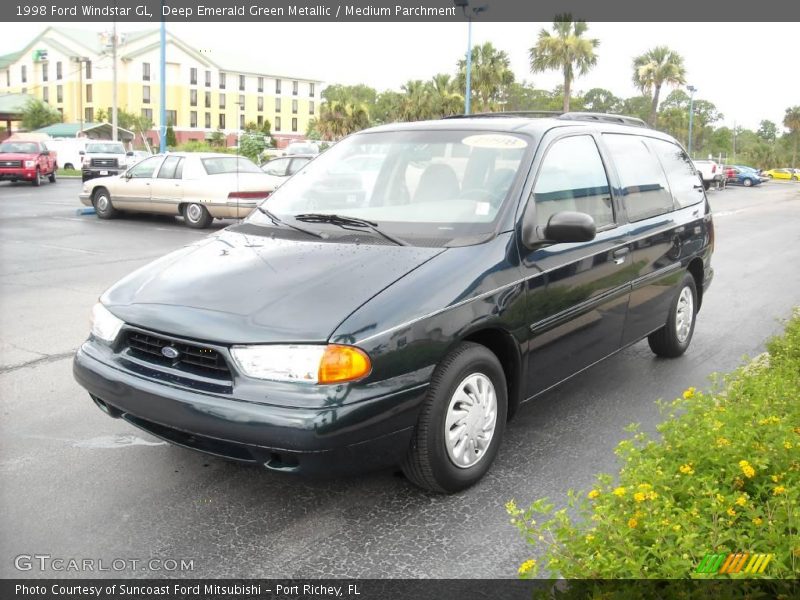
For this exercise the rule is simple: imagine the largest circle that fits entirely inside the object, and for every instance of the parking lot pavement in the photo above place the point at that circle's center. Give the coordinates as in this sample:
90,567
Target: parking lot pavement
76,484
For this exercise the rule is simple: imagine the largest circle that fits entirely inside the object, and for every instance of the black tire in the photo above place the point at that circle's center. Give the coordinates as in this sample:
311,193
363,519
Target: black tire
52,176
37,181
706,185
427,463
69,166
666,341
196,216
747,182
101,200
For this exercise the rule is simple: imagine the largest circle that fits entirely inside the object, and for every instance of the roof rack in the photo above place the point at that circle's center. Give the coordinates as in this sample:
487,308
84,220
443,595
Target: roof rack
603,117
509,114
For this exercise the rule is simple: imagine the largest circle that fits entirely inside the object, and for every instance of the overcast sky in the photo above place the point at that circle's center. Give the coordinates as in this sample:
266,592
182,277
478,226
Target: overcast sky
737,66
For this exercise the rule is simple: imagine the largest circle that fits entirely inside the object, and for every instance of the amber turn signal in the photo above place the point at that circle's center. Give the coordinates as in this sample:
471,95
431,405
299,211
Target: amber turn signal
343,363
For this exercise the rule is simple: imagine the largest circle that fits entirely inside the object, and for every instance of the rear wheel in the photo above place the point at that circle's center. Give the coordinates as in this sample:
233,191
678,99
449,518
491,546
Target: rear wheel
747,182
461,423
101,200
674,338
197,216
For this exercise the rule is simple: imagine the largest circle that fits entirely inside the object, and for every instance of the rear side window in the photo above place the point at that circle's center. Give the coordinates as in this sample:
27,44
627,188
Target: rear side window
169,168
645,192
681,174
572,177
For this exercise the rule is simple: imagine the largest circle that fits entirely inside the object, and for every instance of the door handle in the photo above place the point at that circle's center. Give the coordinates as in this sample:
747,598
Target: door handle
619,255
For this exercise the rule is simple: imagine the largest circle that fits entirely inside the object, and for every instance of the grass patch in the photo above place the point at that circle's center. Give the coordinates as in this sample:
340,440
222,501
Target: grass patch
724,477
68,173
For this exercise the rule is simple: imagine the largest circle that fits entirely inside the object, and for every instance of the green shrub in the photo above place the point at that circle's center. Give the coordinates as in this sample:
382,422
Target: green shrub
724,477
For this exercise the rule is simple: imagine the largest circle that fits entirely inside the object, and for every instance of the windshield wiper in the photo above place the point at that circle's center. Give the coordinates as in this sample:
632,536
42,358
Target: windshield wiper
345,222
274,218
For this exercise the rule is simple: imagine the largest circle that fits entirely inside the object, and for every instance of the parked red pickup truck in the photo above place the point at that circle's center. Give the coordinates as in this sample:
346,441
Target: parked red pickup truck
27,161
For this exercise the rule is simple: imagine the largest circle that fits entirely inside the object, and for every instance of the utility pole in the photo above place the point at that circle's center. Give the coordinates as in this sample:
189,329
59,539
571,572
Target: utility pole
692,90
734,141
163,85
469,13
81,60
114,132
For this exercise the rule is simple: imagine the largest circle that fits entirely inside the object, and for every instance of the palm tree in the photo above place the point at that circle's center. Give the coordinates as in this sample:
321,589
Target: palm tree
491,75
338,119
655,68
446,101
791,121
565,50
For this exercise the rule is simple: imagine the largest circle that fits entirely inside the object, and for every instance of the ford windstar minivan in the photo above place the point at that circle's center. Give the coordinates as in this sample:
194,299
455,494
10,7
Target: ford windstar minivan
397,300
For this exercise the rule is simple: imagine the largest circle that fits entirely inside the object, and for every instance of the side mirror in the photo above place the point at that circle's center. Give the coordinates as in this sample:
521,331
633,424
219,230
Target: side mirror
45,153
563,227
81,152
129,153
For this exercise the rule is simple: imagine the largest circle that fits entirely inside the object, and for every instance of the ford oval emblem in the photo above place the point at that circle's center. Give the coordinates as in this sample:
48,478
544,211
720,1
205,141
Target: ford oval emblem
170,352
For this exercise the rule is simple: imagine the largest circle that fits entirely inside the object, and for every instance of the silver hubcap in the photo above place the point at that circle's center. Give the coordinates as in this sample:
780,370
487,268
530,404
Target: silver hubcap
684,314
102,203
194,212
471,420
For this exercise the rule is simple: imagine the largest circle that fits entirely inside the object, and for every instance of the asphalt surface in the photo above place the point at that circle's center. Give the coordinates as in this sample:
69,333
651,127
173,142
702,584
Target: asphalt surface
77,484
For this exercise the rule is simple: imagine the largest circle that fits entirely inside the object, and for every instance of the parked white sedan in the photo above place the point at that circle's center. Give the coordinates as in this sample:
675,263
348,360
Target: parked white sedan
199,186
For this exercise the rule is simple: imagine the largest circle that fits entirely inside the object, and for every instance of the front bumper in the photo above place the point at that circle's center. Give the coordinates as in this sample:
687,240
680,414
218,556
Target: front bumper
85,198
17,174
87,174
321,440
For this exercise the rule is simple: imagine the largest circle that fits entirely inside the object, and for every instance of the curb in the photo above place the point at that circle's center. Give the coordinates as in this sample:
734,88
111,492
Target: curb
86,211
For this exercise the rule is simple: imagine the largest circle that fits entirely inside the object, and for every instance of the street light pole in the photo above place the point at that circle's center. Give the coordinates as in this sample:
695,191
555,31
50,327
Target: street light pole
163,85
469,13
692,90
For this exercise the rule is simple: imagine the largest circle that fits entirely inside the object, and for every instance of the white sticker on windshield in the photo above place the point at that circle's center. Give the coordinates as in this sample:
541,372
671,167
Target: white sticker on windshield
482,209
497,141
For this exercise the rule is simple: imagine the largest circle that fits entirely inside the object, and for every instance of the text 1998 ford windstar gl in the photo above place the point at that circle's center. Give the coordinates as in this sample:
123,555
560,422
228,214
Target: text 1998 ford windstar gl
395,301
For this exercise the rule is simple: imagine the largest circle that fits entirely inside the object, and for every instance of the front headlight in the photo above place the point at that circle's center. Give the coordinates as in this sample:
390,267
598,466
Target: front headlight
30,164
105,326
303,363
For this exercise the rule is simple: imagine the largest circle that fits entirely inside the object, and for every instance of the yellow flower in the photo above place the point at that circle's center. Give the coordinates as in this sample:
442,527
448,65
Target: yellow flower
776,478
731,512
748,470
788,445
639,497
687,469
742,500
593,494
758,521
689,393
723,442
720,498
676,528
652,495
778,490
589,538
620,491
771,420
526,566
645,486
632,523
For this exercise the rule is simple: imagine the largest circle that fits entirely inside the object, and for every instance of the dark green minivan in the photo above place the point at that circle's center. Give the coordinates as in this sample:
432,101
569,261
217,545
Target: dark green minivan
395,301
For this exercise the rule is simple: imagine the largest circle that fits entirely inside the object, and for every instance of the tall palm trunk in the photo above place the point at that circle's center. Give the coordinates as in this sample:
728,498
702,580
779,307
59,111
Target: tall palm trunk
567,88
654,106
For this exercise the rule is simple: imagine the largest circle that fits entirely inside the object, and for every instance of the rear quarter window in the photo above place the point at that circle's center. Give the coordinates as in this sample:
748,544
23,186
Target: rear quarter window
684,181
645,191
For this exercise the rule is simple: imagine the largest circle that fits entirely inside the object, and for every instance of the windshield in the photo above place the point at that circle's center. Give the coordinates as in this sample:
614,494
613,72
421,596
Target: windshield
19,147
105,149
229,164
435,185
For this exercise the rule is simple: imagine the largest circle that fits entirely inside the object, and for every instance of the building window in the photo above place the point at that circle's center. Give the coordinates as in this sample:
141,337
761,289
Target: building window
260,103
61,112
88,92
45,71
222,101
172,118
59,72
260,84
24,73
46,94
294,124
24,90
193,118
59,93
88,114
222,81
311,107
311,90
8,77
147,113
208,78
208,120
222,120
277,123
294,107
241,101
277,86
193,97
145,71
88,69
277,105
241,83
193,76
241,121
208,99
146,94
260,120
295,88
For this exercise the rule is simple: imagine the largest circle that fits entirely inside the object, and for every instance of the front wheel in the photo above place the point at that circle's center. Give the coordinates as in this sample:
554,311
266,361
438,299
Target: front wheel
37,179
706,185
196,216
748,182
52,176
102,204
674,338
461,423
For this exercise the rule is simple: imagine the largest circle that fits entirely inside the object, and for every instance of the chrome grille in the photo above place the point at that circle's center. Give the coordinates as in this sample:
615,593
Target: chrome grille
104,162
189,358
10,163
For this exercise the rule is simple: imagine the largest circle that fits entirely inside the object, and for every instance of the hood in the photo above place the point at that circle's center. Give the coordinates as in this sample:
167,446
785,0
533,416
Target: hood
18,156
243,288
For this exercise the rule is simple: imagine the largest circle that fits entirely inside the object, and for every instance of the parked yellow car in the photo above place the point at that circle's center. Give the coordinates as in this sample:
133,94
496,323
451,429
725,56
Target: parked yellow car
782,174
